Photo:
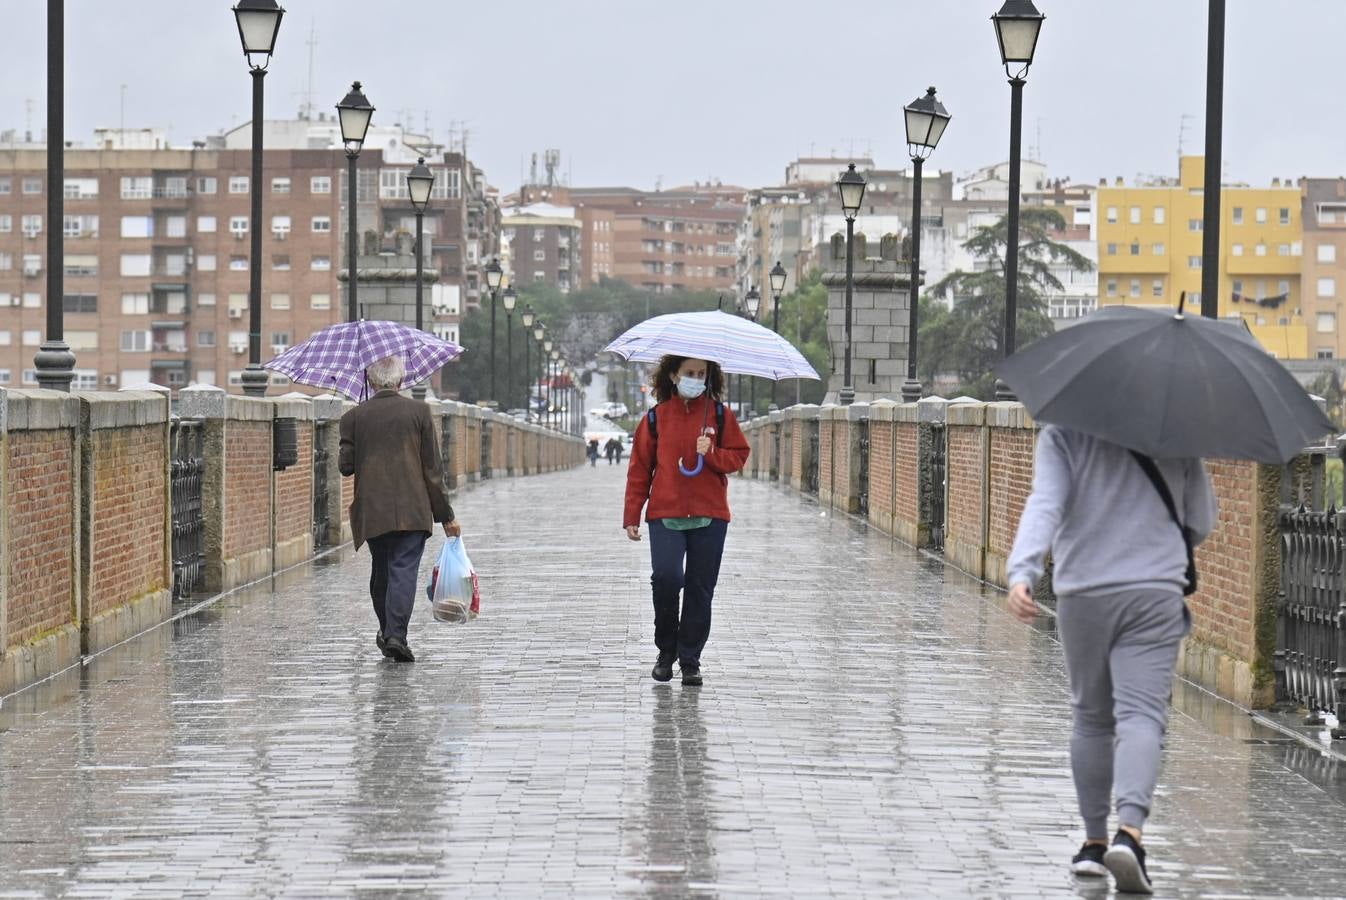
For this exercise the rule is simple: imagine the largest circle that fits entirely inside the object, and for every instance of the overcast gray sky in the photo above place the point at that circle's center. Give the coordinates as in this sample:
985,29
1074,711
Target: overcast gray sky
631,91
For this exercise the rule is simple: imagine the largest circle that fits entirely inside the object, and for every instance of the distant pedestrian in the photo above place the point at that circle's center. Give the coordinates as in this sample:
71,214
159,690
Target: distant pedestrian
621,449
1120,528
388,444
684,450
611,449
593,452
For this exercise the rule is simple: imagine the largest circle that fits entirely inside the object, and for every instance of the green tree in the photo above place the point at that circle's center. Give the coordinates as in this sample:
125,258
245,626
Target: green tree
965,336
803,322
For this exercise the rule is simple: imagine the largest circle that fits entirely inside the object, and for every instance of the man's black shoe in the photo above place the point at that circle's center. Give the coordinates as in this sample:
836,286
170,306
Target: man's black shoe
691,676
397,649
663,668
1125,859
382,643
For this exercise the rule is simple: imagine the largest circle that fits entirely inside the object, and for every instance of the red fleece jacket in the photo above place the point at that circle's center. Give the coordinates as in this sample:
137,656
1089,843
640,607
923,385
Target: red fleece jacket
653,473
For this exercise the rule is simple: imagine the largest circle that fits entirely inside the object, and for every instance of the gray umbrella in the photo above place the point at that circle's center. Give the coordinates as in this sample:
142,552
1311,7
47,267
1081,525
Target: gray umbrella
1167,385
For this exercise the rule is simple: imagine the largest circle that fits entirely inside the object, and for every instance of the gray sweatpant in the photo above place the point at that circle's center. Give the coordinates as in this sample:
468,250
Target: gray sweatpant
1121,650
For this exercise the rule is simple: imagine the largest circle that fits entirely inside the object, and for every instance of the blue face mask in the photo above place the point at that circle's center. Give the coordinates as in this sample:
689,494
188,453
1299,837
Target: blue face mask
691,388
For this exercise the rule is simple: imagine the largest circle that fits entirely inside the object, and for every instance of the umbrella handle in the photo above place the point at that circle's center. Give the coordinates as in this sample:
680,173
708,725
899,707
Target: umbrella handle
690,473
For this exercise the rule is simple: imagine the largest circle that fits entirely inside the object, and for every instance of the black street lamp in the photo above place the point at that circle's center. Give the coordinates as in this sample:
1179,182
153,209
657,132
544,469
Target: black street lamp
555,377
539,333
527,318
1016,27
851,186
776,277
752,303
258,24
54,362
354,112
511,298
494,274
1210,213
926,120
420,181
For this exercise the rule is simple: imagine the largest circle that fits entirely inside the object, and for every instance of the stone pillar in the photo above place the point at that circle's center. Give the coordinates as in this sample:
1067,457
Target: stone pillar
328,410
968,460
879,317
292,490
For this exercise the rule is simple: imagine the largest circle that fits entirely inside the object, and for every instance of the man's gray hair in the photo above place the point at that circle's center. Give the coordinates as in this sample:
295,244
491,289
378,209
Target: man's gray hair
387,374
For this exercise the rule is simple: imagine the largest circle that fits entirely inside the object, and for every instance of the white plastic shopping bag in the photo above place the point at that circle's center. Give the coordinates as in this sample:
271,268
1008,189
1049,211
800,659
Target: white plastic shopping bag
455,595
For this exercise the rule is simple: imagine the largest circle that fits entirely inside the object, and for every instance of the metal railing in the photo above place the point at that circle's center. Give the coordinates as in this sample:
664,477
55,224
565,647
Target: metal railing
446,450
863,479
938,490
811,464
1310,659
777,464
485,470
322,518
187,474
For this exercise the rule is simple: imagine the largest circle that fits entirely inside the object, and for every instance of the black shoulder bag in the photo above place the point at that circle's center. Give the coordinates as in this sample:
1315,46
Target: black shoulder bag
1157,479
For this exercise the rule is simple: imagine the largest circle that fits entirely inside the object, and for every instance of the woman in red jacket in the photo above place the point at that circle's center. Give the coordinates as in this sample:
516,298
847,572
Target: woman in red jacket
688,513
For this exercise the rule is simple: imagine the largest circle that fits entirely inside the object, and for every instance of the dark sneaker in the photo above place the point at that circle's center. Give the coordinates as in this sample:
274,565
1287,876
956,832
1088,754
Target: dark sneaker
691,676
663,668
1125,859
397,649
381,642
1089,861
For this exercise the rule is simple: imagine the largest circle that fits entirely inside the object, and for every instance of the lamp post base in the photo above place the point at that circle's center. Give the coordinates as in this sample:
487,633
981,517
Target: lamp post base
847,396
1003,392
255,380
55,366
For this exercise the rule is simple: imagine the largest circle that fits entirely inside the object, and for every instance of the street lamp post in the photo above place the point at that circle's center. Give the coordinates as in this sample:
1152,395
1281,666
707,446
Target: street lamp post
420,181
777,279
851,186
1016,26
547,351
539,333
494,274
54,362
527,318
258,24
752,303
511,299
354,113
1210,228
926,119
556,376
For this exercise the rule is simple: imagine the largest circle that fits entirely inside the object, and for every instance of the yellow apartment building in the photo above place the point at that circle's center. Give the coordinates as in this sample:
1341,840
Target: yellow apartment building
1149,252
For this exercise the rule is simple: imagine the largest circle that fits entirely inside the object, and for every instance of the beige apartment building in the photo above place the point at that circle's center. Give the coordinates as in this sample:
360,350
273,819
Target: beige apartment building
1324,280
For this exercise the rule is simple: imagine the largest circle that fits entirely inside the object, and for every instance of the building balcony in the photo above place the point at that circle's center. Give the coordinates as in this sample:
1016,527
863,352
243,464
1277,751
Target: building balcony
1274,266
1126,264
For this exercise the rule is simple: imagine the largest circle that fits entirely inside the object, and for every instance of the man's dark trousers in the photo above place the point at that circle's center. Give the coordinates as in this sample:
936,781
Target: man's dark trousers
701,549
392,579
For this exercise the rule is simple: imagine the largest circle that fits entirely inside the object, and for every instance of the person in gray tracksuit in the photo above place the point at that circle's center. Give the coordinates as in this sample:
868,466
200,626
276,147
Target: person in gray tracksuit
1119,573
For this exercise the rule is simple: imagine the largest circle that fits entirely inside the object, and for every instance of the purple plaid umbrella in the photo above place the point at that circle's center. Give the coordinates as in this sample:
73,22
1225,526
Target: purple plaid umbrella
336,357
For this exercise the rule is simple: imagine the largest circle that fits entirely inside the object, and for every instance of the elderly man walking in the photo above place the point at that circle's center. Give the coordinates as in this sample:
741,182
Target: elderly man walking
388,444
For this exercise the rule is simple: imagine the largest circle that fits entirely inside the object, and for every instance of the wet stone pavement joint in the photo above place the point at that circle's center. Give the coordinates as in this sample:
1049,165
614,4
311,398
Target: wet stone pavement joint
872,725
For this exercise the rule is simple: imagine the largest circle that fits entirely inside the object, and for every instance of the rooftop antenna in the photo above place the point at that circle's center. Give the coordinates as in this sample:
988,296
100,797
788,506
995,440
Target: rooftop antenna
1182,131
28,120
306,112
121,124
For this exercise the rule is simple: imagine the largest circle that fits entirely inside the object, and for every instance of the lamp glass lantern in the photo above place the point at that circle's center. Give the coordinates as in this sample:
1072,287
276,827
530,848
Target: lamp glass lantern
258,24
555,355
1016,28
539,332
511,298
494,275
851,186
753,302
547,346
777,278
926,120
354,113
527,316
420,181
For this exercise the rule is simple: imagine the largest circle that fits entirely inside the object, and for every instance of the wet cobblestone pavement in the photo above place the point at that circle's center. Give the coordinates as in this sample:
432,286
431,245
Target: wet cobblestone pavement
871,725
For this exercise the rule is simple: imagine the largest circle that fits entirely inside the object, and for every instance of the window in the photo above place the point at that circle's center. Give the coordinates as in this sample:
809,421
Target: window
539,276
280,225
205,185
175,226
320,301
30,376
1236,250
207,376
79,226
321,263
135,265
85,380
32,263
1135,287
205,299
1135,248
1157,287
1327,253
31,225
81,266
322,224
1282,249
1194,224
6,262
5,376
1112,287
238,184
1112,249
81,188
135,341
6,186
1238,287
1283,288
6,337
137,226
82,340
320,184
206,262
32,338
1327,287
280,301
1260,249
205,339
539,255
1261,215
135,304
32,300
1238,215
1193,262
238,224
1157,249
280,339
1327,322
137,187
32,185
1135,215
1112,215
1285,215
6,224
238,264
280,184
280,263
1159,215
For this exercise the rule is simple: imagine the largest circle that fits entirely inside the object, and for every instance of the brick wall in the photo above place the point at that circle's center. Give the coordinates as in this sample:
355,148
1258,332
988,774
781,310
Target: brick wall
294,491
841,464
965,524
881,471
247,489
1223,616
1011,481
128,516
797,441
41,533
906,443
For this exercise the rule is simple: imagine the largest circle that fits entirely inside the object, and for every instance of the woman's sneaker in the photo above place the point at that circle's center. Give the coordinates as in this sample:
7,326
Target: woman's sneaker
1125,859
1089,861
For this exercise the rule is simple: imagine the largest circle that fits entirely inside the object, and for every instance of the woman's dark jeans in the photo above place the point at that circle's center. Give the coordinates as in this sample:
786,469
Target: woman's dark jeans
686,562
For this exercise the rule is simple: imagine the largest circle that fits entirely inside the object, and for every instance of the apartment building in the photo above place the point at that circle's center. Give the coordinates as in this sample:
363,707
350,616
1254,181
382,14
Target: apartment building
544,243
1323,209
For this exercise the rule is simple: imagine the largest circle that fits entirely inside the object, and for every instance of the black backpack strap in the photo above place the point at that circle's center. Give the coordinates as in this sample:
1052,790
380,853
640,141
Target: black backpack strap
1161,486
654,429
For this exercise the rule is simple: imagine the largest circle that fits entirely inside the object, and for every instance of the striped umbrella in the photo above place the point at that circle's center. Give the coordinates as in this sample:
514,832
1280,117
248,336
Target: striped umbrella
740,346
336,357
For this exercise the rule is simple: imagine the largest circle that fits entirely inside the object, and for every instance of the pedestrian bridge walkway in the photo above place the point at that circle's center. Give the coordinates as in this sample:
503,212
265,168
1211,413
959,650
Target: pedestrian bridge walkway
872,724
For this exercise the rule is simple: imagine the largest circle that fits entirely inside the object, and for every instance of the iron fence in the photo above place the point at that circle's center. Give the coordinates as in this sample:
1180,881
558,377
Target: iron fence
811,464
863,479
446,451
1310,659
937,490
485,469
776,463
322,517
187,474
